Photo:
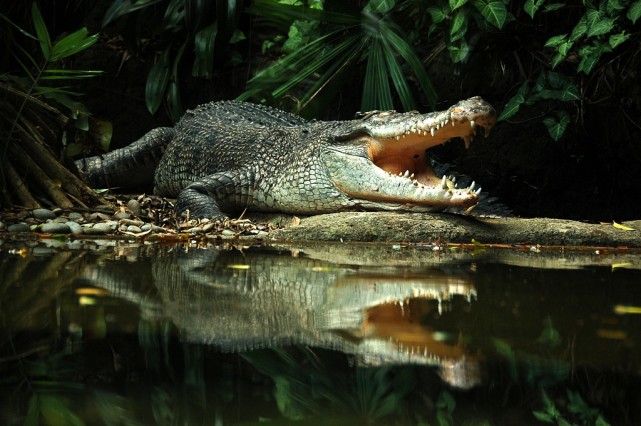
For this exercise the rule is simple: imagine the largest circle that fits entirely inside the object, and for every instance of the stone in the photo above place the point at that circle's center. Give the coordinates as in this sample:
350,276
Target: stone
227,233
55,228
75,216
122,215
99,216
134,229
98,229
74,227
43,214
18,227
134,207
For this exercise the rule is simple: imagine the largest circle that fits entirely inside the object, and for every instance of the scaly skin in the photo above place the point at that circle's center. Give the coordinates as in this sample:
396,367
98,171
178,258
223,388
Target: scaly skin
229,156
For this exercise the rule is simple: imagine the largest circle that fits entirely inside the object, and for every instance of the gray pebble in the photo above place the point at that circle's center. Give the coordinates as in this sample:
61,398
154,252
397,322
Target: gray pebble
99,216
227,233
43,214
18,227
134,229
134,206
113,224
74,227
98,229
146,227
122,215
208,227
75,216
55,228
195,230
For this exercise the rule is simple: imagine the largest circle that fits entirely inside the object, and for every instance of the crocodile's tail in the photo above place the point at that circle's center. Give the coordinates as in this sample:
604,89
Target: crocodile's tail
130,167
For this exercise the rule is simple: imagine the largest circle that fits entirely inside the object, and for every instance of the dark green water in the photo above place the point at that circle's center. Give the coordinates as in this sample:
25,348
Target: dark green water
125,334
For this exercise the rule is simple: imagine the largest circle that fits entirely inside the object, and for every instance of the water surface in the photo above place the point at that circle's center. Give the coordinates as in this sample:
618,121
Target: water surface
121,333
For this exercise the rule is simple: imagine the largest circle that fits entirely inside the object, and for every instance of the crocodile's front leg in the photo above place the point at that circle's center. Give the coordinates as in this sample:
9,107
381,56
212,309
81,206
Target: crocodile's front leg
206,197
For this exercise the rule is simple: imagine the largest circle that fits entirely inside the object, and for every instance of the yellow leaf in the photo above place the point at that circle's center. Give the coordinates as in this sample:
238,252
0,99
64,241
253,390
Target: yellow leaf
620,265
622,227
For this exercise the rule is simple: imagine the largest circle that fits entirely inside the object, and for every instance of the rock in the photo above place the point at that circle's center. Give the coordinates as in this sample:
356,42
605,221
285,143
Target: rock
208,227
227,233
134,207
43,214
146,227
134,229
55,228
1,226
74,227
98,229
18,227
195,230
99,216
75,216
122,215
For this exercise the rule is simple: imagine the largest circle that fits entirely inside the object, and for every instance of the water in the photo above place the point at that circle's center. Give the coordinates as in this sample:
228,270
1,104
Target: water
120,333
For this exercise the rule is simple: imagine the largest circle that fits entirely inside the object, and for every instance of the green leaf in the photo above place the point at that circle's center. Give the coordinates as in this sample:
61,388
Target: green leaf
514,104
553,6
406,51
459,53
157,81
543,416
531,6
455,4
555,40
459,27
597,23
556,129
438,14
634,12
590,56
614,6
122,7
580,29
204,42
376,89
617,39
493,11
41,31
380,6
72,44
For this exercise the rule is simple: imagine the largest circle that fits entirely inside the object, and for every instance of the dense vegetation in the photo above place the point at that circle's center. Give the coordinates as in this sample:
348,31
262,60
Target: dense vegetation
563,75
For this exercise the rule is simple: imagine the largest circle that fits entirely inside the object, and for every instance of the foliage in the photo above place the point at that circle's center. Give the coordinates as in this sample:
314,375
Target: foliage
205,27
576,407
457,19
599,28
39,72
367,42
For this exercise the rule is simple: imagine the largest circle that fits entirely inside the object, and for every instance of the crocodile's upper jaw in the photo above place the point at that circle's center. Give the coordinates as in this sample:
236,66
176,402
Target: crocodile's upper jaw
393,173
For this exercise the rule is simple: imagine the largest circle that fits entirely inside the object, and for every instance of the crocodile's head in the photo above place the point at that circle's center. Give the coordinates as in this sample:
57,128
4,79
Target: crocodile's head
380,161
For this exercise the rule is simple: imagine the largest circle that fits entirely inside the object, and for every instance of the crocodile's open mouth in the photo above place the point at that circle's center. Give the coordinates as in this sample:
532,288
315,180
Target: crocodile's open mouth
404,155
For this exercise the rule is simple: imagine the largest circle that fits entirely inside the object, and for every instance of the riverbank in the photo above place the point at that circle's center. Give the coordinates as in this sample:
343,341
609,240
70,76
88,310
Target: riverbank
149,217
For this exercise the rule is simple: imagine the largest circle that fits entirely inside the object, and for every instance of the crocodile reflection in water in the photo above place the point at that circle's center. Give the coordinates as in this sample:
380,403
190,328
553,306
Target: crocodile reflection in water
261,298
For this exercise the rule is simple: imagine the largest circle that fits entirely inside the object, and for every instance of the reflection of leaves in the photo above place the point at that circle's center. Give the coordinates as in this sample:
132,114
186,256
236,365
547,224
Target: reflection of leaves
302,387
549,335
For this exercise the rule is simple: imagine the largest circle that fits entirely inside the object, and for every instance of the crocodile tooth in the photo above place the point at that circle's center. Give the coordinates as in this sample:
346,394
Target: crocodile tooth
453,179
406,174
412,176
478,191
450,184
467,141
438,126
397,137
444,182
471,188
472,123
432,131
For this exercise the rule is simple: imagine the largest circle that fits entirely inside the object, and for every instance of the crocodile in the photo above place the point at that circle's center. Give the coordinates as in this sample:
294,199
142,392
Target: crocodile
228,156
